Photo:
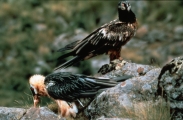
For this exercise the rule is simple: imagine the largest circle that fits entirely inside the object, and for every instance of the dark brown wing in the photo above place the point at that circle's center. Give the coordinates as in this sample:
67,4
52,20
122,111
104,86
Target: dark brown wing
107,37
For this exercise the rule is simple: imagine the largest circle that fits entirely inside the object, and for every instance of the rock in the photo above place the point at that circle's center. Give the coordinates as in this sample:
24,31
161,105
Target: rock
170,86
114,101
42,113
132,69
113,65
148,82
103,118
11,113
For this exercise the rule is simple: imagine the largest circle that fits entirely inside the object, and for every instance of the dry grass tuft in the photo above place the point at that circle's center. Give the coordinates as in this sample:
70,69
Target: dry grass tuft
25,101
149,111
53,107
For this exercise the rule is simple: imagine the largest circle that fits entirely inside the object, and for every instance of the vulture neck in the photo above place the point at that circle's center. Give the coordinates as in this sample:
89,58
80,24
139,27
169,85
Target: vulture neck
126,16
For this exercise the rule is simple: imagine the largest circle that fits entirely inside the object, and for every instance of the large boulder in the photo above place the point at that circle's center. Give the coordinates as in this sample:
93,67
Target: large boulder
42,113
11,113
114,101
170,86
150,86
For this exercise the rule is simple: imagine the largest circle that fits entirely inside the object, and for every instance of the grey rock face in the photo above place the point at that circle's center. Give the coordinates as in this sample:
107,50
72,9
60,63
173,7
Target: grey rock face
171,86
112,102
42,113
148,82
11,113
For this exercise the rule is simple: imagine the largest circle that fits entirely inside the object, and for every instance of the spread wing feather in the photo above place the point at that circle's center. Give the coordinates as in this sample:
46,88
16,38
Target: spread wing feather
70,62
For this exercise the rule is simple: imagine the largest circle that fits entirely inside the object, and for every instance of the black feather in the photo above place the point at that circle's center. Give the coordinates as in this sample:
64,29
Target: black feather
69,46
70,87
70,62
65,55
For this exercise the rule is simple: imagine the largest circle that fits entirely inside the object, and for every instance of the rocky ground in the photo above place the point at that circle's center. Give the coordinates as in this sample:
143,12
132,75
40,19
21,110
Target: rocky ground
42,113
137,98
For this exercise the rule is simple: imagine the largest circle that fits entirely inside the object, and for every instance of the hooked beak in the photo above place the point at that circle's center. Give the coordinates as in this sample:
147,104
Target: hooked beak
36,98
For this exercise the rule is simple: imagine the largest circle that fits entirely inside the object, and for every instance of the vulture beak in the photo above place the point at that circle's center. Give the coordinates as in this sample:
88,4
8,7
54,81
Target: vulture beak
36,97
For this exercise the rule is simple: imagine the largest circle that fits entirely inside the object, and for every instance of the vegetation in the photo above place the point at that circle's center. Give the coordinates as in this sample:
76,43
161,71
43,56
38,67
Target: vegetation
149,111
29,27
